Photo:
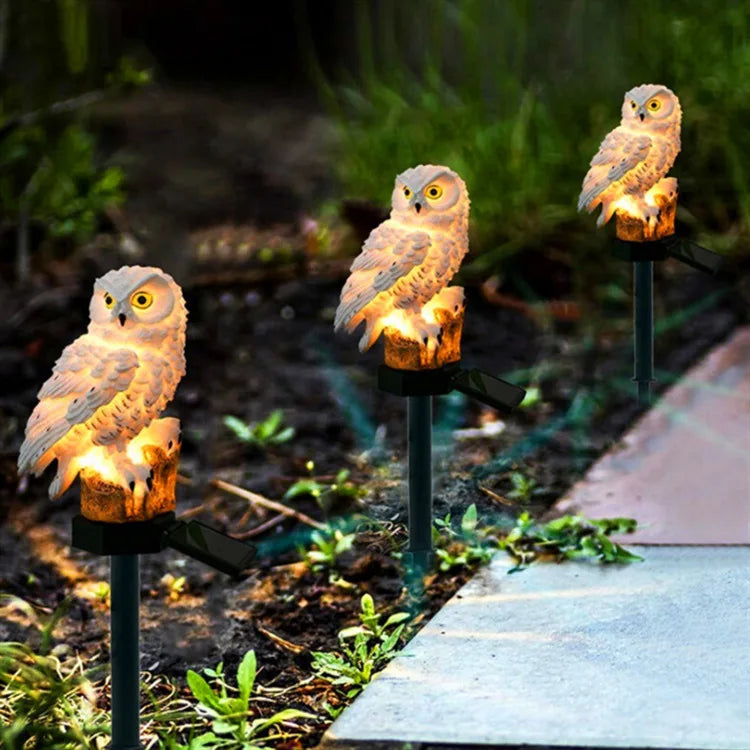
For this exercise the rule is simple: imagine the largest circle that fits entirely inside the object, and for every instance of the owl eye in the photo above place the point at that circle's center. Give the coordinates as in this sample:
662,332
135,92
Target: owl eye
109,301
433,192
654,105
633,105
407,192
142,300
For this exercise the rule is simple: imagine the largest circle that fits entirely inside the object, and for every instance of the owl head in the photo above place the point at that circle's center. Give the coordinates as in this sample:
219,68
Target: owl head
651,106
429,192
136,302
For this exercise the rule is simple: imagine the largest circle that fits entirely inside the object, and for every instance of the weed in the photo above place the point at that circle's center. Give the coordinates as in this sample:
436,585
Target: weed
363,649
568,537
264,434
324,492
229,710
533,397
47,695
102,592
175,586
328,546
523,487
465,548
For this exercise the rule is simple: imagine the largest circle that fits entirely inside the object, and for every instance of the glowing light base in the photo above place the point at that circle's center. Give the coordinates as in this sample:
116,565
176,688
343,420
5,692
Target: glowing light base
106,501
404,352
632,226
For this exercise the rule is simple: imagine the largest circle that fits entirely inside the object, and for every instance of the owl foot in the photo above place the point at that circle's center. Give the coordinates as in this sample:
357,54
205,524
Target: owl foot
137,478
451,298
430,334
163,433
650,213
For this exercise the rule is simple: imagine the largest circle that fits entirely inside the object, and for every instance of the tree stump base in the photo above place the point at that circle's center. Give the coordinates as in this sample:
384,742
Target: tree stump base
404,353
102,500
635,229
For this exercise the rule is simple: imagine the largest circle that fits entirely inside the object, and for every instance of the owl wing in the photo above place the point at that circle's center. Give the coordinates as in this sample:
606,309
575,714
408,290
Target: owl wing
85,379
386,257
620,153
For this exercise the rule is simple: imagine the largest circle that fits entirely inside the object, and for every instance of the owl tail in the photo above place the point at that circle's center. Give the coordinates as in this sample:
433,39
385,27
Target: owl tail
373,329
607,210
67,471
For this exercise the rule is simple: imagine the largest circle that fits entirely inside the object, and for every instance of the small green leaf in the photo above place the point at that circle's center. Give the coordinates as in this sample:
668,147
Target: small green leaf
396,618
259,725
469,520
246,677
201,691
238,427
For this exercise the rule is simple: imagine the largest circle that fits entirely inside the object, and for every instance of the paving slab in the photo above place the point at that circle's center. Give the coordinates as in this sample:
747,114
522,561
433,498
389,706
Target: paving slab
683,470
649,655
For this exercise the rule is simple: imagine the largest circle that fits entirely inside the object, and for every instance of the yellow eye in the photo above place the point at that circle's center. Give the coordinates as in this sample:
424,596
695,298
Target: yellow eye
109,301
142,300
633,105
407,192
654,105
433,192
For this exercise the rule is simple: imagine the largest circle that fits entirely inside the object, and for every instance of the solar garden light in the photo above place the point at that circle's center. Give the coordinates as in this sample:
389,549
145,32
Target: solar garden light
98,417
628,178
398,287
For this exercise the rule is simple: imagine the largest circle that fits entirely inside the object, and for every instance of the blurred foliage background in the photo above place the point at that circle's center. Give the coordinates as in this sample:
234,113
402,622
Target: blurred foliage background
516,95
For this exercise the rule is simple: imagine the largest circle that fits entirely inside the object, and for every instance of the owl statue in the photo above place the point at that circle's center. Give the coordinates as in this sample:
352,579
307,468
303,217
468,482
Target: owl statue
635,155
110,385
405,264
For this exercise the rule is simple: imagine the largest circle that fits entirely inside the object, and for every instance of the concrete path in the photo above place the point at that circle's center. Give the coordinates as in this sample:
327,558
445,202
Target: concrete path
683,470
650,655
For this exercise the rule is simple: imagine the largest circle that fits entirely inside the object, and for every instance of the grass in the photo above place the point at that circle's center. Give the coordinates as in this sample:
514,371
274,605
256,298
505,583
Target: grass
516,96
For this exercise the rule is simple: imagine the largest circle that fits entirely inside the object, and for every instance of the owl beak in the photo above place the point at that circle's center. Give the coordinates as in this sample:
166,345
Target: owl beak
122,318
417,207
642,115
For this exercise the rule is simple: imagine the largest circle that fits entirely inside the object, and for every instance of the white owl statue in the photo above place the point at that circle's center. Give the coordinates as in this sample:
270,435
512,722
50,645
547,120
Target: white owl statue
635,156
401,275
102,403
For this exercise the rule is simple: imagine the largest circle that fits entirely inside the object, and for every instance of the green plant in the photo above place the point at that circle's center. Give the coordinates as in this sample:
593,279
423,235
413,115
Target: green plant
523,487
324,492
328,545
532,398
175,586
465,548
568,537
230,712
48,699
264,434
53,179
363,649
102,592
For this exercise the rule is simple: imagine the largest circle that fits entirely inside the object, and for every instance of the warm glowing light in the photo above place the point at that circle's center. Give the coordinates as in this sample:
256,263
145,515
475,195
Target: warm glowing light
399,320
99,459
629,205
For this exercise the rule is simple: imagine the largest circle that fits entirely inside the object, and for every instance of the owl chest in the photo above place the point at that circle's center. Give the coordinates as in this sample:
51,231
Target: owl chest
139,404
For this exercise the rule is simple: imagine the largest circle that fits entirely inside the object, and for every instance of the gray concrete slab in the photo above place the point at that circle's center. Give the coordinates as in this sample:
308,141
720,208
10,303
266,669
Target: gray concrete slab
683,470
650,655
